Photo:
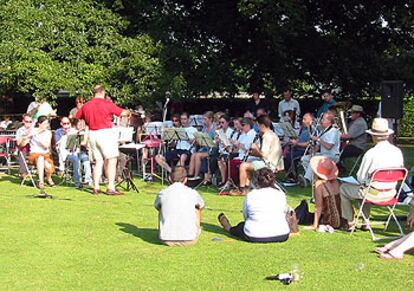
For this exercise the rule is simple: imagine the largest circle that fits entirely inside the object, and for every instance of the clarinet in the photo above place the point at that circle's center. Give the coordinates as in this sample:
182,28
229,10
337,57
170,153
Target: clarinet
249,151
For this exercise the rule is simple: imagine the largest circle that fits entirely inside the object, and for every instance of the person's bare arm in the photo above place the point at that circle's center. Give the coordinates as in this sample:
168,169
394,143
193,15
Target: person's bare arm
410,220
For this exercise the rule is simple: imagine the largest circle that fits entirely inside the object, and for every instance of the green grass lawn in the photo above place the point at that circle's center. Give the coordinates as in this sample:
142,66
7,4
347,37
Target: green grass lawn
79,241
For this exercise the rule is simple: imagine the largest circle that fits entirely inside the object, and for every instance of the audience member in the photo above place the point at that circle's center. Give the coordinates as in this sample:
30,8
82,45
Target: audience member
382,155
179,211
264,212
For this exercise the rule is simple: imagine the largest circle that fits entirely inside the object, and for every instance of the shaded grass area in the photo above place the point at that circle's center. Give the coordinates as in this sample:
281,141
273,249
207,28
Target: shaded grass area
79,241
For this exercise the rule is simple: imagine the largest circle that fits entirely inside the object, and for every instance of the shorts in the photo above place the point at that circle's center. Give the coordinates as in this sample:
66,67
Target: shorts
104,144
33,157
257,165
175,154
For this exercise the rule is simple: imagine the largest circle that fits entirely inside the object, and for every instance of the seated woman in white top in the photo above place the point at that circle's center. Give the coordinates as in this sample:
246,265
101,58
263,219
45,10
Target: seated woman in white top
40,151
264,212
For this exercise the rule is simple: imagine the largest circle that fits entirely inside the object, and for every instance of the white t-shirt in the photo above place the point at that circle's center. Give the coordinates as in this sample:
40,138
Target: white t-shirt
246,139
177,206
264,213
35,145
186,145
332,136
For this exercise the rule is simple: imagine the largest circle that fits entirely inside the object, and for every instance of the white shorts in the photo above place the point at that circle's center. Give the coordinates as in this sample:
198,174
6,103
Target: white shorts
104,144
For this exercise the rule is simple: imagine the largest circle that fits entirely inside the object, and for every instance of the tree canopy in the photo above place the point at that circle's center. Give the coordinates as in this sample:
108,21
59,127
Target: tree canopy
142,48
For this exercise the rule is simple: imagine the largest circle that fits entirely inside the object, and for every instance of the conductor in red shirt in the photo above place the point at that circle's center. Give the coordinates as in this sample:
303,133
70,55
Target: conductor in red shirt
97,114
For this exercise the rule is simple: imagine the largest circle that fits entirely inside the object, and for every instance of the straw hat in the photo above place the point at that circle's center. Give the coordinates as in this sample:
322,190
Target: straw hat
356,108
324,168
380,127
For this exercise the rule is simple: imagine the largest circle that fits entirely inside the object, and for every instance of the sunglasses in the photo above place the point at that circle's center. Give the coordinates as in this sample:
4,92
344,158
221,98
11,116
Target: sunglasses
65,123
28,121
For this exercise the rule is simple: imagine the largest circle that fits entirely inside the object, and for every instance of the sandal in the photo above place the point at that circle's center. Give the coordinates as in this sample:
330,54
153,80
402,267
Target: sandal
41,185
51,184
225,223
206,183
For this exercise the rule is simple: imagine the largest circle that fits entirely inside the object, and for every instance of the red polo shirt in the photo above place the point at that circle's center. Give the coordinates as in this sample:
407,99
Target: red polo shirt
98,112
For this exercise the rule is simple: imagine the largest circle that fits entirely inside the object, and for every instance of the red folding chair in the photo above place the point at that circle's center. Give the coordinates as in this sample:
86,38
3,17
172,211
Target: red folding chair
386,175
5,152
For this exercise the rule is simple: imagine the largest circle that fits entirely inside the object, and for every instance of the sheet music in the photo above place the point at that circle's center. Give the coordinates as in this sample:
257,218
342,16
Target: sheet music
204,140
349,179
223,138
125,134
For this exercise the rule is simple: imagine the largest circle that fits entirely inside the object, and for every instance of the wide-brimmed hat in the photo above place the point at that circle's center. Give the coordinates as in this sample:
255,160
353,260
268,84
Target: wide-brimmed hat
324,168
356,108
380,127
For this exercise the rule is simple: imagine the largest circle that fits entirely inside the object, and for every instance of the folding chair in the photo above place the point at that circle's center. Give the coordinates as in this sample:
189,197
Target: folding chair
387,175
29,170
5,152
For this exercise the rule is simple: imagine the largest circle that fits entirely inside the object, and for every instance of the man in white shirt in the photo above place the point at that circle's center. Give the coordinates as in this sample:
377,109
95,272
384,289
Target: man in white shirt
23,135
183,148
328,142
246,138
269,154
382,155
288,104
179,211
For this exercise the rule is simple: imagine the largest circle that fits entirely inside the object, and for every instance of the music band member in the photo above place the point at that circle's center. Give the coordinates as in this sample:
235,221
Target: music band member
182,149
356,134
327,144
298,146
288,104
224,151
329,100
382,155
40,151
97,114
23,136
270,154
73,154
203,152
257,103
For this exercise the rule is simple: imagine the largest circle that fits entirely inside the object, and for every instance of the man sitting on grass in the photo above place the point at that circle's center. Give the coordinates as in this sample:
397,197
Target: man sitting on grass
180,211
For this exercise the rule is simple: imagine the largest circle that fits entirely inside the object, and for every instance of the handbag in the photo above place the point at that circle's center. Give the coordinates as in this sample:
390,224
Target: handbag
292,221
303,216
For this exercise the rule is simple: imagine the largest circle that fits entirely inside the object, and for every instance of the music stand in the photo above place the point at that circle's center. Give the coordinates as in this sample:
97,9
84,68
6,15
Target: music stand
127,177
204,140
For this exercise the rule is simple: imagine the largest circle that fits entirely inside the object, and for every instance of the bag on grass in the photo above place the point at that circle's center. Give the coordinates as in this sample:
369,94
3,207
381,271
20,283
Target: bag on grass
303,216
292,221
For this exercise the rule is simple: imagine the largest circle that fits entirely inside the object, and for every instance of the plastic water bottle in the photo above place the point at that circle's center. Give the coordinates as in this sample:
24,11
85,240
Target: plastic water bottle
296,274
360,267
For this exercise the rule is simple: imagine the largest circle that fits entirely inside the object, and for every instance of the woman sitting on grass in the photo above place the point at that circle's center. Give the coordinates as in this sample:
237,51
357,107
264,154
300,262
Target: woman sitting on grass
40,151
264,212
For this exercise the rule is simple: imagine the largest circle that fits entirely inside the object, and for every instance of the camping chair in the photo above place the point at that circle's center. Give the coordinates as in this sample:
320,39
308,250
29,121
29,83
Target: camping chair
387,175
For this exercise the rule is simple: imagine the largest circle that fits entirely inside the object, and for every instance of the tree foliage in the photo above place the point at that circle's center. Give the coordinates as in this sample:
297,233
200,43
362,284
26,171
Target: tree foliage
241,44
49,45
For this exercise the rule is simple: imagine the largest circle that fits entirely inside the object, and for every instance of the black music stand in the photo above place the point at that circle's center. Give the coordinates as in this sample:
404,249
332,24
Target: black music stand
127,177
204,140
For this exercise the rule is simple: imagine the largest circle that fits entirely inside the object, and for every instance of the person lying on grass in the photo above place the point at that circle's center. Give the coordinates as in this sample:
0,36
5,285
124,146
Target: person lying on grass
179,211
264,212
395,250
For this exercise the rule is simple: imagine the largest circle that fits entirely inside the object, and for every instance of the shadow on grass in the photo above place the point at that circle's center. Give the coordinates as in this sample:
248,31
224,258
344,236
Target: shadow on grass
217,230
10,178
146,234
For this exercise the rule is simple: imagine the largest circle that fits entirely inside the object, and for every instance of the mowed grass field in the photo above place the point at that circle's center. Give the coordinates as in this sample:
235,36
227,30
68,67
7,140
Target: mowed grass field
83,242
